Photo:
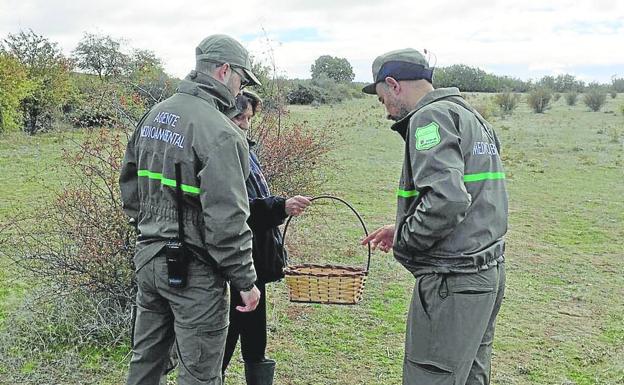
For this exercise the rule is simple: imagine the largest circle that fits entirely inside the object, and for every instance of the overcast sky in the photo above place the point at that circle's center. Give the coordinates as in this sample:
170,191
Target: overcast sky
520,38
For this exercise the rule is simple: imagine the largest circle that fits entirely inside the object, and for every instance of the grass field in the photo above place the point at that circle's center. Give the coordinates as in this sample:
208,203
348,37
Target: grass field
562,321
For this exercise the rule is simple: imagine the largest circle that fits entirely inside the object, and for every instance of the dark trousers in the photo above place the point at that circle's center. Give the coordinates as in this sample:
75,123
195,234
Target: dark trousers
450,328
250,327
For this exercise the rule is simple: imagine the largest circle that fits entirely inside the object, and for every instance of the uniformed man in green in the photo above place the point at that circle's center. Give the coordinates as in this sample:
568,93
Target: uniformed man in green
450,223
190,129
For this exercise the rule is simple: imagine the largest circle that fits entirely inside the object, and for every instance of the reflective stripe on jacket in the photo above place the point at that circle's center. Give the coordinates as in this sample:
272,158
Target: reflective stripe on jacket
452,199
189,128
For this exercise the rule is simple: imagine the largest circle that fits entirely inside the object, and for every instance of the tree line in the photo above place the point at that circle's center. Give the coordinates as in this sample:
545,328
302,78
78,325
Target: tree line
105,83
102,83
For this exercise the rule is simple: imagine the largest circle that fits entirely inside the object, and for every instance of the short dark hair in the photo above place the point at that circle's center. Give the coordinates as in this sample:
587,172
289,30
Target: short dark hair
245,99
242,102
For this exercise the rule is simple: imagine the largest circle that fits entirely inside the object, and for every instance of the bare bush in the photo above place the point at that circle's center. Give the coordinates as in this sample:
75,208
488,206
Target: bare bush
614,135
484,108
539,99
595,98
80,245
57,336
507,101
292,157
68,320
571,98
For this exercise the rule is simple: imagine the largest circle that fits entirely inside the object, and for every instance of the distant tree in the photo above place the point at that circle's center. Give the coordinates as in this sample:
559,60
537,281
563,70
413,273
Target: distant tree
274,86
14,88
565,83
120,96
100,55
617,84
336,68
147,77
508,83
472,79
547,82
48,71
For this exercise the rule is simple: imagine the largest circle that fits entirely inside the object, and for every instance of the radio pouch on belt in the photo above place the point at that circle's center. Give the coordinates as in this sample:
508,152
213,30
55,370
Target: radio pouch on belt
176,252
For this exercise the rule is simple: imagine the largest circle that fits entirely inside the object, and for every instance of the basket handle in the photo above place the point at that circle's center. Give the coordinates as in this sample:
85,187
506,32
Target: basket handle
349,206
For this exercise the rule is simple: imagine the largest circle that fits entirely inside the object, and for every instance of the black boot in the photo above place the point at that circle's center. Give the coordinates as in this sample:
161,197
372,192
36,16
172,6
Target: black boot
260,373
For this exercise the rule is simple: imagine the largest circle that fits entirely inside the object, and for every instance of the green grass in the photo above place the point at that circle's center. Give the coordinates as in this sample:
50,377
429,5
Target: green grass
562,320
31,169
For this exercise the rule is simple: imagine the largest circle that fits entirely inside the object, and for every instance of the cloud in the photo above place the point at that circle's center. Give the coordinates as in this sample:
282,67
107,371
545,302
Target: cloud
528,37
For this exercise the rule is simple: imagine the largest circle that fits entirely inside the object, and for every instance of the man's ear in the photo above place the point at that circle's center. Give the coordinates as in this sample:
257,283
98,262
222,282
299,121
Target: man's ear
223,71
393,84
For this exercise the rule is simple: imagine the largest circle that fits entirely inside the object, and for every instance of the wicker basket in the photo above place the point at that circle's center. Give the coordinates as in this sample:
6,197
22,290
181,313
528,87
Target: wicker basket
324,283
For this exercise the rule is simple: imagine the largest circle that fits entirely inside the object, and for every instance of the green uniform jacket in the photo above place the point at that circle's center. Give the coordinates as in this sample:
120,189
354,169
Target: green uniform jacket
189,128
452,199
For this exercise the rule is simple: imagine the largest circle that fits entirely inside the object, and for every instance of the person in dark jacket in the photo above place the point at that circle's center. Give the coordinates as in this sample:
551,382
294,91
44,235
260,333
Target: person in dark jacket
267,212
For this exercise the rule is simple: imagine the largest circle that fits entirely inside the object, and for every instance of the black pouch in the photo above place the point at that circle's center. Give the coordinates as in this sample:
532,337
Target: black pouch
270,257
177,264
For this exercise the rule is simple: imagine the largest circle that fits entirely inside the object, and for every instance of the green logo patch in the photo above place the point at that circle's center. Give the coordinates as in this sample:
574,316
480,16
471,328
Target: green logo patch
427,136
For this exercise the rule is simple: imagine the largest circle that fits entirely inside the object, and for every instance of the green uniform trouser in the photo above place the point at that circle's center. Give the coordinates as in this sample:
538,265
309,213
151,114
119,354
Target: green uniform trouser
196,317
450,328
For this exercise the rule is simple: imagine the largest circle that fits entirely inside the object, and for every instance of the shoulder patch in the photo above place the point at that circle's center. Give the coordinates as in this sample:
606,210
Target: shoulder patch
427,137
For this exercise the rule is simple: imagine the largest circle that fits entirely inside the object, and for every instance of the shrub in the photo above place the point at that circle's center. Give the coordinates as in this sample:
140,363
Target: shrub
595,98
613,94
571,98
303,94
356,91
14,87
48,71
484,109
538,99
79,247
507,101
614,135
330,90
292,157
617,84
60,336
92,105
556,96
